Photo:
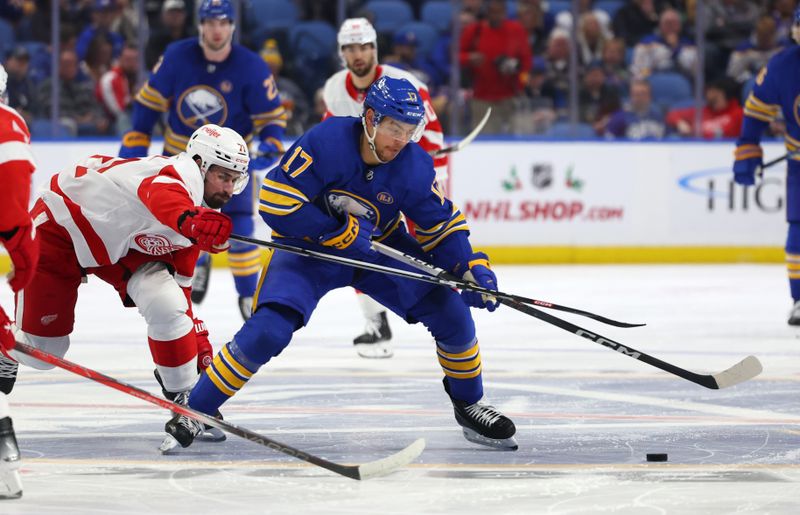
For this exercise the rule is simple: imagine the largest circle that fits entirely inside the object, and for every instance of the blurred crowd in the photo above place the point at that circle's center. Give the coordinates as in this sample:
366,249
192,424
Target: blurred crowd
634,77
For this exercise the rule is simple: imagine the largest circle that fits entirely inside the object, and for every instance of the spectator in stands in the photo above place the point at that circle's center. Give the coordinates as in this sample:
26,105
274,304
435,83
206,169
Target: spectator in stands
104,15
20,89
635,20
537,110
404,56
782,11
721,117
115,89
99,57
126,23
79,108
293,99
640,119
596,100
727,24
537,24
617,73
665,50
172,28
564,18
557,59
591,38
753,54
496,53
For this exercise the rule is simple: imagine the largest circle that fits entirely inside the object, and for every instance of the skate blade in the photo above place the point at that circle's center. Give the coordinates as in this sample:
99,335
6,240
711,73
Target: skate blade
212,434
379,350
10,485
169,445
507,444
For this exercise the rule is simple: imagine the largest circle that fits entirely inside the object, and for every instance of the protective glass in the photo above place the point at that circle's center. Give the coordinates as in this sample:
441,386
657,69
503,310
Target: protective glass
399,131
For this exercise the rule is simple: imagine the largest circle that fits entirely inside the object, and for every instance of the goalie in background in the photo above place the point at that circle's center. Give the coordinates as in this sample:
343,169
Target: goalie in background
18,236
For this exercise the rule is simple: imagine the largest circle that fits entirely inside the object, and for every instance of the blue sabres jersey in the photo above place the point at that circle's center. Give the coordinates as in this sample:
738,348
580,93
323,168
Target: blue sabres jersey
777,88
239,93
322,177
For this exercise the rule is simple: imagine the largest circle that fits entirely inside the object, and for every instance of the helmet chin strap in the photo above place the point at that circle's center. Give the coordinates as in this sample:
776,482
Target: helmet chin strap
371,140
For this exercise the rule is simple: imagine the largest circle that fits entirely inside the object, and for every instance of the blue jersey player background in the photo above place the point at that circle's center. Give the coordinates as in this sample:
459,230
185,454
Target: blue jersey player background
344,182
212,80
777,88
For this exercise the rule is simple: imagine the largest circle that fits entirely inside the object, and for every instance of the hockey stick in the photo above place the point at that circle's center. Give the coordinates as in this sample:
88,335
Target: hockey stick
467,139
363,471
449,280
746,369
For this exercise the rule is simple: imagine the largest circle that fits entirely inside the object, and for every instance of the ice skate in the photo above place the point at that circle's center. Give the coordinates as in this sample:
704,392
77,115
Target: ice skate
10,482
374,343
794,315
246,307
181,430
210,433
8,374
202,273
483,424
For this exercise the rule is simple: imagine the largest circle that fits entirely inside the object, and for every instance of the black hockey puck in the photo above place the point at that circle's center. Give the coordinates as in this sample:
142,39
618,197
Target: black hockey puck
657,457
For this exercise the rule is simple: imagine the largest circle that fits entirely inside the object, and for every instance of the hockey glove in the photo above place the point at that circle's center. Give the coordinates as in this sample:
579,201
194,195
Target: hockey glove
205,353
748,163
480,273
134,144
354,236
268,154
207,228
23,249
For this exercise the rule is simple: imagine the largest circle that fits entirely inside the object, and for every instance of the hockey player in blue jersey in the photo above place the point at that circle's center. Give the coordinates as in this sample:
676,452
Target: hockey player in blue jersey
344,182
212,80
777,88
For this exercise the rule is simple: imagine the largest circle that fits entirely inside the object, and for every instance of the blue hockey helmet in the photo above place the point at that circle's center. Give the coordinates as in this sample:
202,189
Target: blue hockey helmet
217,9
398,99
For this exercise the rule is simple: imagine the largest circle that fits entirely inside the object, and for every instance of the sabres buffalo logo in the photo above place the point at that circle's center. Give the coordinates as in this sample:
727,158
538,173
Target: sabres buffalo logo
201,105
154,244
340,202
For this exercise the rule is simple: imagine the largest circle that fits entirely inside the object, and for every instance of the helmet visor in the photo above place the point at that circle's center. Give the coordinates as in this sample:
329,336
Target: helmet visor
400,131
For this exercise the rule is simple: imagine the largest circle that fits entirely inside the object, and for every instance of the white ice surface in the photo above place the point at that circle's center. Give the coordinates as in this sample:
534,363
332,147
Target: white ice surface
586,416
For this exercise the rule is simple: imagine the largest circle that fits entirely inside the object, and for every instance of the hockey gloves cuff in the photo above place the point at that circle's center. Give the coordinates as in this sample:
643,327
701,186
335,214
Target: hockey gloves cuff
354,236
23,249
268,154
207,228
205,353
479,272
748,164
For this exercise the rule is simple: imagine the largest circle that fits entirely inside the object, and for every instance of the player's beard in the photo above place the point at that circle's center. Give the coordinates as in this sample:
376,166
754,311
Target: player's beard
365,69
217,200
211,47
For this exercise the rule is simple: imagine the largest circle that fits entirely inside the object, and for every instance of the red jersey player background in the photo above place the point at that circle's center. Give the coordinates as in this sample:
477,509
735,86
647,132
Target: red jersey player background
18,236
344,94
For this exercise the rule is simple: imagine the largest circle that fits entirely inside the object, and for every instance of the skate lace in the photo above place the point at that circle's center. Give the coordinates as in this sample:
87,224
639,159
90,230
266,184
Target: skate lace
191,424
8,368
484,414
373,326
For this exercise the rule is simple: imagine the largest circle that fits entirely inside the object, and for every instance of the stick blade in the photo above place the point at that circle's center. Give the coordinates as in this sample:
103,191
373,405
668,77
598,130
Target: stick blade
391,463
743,371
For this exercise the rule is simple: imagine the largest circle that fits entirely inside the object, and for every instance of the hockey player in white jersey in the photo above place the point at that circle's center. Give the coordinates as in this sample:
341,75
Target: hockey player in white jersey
18,237
137,224
344,94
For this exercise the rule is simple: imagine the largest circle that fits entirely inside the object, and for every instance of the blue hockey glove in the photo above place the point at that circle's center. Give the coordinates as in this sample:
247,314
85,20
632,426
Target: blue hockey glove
354,236
480,273
748,164
268,154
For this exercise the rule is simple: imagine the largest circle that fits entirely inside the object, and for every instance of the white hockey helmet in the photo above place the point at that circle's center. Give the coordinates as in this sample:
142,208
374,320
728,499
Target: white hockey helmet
357,31
220,146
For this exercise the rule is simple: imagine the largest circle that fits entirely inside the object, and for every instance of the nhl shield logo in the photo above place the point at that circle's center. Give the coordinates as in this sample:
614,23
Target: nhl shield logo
154,244
542,175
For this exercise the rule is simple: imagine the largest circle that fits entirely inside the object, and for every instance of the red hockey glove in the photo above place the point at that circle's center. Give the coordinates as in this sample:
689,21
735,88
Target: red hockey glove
208,228
205,353
7,341
23,248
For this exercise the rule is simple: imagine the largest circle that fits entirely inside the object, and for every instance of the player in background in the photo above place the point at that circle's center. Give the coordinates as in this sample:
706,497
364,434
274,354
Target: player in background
18,236
344,94
344,182
139,225
212,80
776,90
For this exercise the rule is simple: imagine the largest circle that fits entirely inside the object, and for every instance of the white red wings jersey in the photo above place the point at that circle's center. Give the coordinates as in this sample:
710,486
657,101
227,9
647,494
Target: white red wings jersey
110,205
342,98
16,167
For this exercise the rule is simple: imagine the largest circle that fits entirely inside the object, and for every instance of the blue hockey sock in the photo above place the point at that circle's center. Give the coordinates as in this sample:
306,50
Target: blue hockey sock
793,259
462,368
227,374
